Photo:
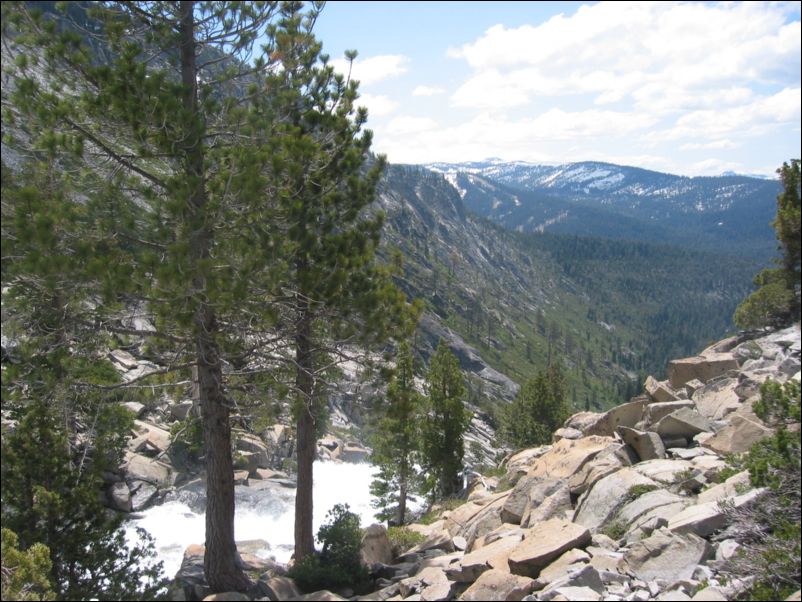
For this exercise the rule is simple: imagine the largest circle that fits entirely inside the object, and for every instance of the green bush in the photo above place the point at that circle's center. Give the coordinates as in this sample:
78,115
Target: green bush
26,575
402,539
769,305
338,564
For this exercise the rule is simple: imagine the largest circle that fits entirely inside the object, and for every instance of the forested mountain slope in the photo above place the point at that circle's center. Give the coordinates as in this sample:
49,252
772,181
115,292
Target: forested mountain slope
610,310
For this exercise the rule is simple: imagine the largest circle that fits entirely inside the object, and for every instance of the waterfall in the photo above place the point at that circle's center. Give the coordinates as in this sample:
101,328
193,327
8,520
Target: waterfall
262,513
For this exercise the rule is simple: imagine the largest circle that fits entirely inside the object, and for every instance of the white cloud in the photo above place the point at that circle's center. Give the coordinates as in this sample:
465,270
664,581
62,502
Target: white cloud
373,69
377,105
428,91
410,125
665,55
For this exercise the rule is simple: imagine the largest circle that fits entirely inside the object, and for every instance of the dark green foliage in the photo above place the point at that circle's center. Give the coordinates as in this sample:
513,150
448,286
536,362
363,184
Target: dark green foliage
769,530
26,574
397,442
338,565
539,409
445,425
770,305
53,499
787,225
776,302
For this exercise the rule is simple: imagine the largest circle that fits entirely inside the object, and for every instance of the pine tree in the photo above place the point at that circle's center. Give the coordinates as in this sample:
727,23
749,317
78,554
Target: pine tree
776,302
49,499
445,425
396,443
537,411
147,107
331,291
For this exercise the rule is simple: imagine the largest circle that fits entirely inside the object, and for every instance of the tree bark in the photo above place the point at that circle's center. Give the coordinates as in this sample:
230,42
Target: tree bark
304,537
220,563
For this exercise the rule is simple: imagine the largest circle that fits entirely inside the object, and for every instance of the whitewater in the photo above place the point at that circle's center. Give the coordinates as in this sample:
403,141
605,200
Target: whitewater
266,514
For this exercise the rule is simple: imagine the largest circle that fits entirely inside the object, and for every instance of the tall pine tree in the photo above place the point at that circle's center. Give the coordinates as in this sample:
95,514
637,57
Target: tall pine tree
396,444
148,108
330,291
445,425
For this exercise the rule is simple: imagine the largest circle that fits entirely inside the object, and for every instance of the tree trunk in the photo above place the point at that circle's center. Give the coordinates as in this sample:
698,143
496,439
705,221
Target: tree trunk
307,446
402,494
220,563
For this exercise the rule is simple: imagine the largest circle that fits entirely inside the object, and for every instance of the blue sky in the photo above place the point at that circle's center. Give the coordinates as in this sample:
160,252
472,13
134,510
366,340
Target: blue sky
688,88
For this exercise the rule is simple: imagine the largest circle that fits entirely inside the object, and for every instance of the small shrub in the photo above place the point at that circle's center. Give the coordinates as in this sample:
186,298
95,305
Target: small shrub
402,539
638,490
615,530
442,506
338,564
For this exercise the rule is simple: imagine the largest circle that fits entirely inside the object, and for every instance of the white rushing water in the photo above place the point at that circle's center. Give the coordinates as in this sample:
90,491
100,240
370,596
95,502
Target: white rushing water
262,514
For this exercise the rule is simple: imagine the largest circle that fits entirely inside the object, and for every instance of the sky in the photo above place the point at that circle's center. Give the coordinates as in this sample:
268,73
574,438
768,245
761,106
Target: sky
687,88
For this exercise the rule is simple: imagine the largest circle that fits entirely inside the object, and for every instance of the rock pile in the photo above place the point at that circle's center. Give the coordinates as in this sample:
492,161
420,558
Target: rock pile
624,505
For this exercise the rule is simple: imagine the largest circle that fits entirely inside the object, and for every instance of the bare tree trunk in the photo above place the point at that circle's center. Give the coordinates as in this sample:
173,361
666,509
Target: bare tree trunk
220,564
304,537
402,495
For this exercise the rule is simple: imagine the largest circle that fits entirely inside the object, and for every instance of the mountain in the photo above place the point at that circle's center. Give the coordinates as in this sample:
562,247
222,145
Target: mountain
727,214
508,301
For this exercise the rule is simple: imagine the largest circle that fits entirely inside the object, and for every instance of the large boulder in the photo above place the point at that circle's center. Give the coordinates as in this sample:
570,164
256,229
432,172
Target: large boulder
717,399
150,437
375,547
567,456
545,542
626,414
527,490
646,444
703,368
707,518
684,423
666,555
547,503
120,497
611,459
499,585
259,456
605,498
666,472
138,467
656,411
738,436
659,391
430,584
491,556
